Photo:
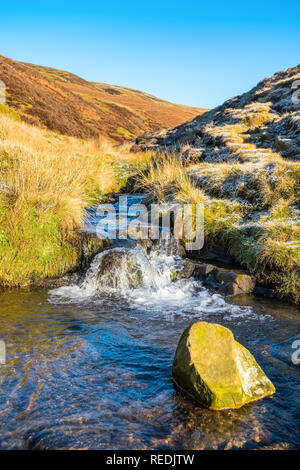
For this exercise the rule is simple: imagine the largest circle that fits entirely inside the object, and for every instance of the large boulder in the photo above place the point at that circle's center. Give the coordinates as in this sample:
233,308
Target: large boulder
216,370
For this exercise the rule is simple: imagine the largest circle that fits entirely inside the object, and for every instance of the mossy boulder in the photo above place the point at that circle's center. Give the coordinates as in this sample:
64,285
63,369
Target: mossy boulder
216,370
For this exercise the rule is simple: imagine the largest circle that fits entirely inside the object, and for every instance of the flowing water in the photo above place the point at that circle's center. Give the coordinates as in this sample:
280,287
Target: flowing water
89,365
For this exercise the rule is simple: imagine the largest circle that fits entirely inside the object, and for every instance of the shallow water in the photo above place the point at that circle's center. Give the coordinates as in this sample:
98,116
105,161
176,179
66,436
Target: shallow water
91,368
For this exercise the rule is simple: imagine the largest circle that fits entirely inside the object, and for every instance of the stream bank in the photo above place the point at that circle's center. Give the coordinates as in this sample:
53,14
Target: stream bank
89,365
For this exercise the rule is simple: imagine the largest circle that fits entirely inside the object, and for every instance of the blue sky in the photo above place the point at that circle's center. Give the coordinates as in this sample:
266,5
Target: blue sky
189,52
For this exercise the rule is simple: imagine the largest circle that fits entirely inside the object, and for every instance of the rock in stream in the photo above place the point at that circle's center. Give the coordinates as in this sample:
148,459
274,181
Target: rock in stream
216,370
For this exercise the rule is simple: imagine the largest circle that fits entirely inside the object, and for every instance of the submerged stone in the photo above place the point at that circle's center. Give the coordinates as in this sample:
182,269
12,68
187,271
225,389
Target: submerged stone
217,370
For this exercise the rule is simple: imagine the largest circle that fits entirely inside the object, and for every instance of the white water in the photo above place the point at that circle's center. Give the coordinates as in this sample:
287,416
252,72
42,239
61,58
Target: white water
157,292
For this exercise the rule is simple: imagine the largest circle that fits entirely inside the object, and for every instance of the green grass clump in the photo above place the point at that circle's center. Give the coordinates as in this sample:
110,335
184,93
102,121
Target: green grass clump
33,248
271,252
126,133
219,218
4,109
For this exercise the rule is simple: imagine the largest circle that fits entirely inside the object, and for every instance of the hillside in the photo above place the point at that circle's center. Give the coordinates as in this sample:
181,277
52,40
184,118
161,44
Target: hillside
264,117
242,160
68,104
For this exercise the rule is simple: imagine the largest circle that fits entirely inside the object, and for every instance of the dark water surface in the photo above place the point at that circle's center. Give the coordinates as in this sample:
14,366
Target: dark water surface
86,370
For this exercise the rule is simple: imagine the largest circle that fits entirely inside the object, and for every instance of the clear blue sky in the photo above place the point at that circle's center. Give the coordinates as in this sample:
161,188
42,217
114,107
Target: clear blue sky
190,52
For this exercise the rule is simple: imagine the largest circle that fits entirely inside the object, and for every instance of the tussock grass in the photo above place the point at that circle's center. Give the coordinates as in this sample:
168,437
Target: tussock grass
233,194
46,182
165,178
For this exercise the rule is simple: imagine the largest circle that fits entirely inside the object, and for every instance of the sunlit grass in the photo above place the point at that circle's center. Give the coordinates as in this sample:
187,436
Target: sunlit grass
46,182
230,192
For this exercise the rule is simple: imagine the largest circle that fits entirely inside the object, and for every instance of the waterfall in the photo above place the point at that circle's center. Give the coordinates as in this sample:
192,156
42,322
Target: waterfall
144,277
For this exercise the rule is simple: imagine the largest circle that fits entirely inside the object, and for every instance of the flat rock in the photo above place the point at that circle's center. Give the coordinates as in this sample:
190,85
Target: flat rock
235,283
194,269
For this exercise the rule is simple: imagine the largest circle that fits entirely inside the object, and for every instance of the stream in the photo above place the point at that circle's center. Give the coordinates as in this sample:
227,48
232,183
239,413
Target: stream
88,366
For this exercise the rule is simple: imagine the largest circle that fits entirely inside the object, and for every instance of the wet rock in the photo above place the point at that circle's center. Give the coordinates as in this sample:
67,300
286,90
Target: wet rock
91,244
203,269
234,283
218,255
188,269
119,268
265,292
197,270
216,370
181,250
53,283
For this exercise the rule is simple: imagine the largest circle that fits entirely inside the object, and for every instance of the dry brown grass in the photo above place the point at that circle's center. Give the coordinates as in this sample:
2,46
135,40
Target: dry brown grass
43,168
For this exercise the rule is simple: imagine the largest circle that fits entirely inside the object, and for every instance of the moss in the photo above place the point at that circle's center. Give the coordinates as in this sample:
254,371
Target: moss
121,131
218,371
174,276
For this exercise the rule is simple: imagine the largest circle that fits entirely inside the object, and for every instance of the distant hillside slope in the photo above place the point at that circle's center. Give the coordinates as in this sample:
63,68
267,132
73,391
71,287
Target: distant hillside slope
244,128
71,105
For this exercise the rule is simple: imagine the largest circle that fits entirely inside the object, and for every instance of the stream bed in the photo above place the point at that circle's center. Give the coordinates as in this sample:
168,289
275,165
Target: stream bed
89,366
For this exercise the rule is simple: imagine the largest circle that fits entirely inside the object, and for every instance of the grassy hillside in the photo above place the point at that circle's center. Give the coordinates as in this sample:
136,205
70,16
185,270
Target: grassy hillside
46,181
242,160
68,104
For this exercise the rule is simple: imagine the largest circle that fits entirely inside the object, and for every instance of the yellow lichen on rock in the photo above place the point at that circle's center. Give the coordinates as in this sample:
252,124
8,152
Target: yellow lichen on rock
217,370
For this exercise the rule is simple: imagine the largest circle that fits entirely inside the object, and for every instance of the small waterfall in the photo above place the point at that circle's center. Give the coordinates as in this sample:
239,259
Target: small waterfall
130,272
144,276
119,269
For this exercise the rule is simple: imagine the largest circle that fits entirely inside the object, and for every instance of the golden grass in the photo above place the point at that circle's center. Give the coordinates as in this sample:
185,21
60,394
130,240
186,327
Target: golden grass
44,170
166,177
46,182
